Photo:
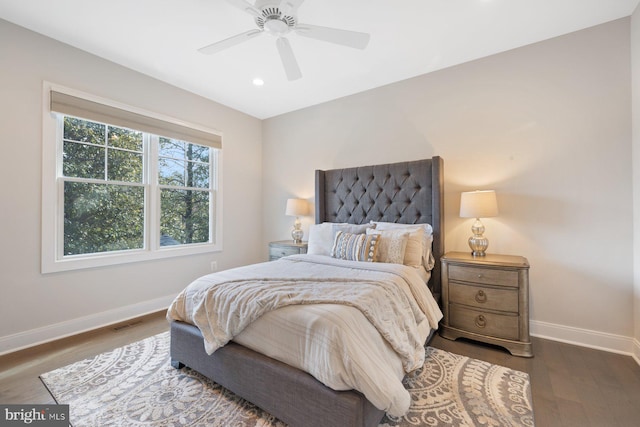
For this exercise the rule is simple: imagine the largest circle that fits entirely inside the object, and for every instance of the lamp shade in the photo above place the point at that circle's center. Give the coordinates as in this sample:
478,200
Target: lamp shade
478,204
297,207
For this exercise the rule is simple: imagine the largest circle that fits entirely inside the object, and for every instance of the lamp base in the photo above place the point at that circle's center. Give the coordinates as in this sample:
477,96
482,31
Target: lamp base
297,236
297,233
478,243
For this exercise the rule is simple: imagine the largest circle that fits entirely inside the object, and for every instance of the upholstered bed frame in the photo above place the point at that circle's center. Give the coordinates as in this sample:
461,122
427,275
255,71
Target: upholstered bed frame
407,192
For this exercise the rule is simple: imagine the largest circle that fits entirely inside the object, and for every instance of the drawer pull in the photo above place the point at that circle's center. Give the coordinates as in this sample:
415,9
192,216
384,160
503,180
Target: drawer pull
481,297
481,321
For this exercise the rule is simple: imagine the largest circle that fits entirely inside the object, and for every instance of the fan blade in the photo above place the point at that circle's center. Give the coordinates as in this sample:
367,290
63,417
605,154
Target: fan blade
333,35
246,6
227,43
288,59
290,7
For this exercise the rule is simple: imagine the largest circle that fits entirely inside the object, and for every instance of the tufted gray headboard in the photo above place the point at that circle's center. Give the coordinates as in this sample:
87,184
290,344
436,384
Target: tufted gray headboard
406,192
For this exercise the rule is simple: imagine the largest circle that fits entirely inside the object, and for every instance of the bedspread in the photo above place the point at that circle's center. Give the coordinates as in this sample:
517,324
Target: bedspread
368,320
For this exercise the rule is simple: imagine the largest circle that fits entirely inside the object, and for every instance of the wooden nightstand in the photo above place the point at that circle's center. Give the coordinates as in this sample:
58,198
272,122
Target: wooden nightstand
487,299
286,247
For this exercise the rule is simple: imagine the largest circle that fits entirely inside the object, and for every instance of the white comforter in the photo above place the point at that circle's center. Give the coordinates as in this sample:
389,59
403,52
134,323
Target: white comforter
347,334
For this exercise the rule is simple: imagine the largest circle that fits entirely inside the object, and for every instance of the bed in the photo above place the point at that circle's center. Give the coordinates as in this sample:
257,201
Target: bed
402,193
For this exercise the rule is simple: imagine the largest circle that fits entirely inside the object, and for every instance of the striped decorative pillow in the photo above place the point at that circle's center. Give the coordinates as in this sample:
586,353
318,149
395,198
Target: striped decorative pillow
355,247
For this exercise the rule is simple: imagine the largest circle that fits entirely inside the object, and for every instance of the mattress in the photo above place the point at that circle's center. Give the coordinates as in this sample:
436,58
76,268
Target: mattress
336,343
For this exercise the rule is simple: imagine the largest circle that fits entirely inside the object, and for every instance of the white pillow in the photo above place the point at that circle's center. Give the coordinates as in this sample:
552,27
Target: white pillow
320,239
427,260
352,228
321,236
396,225
392,245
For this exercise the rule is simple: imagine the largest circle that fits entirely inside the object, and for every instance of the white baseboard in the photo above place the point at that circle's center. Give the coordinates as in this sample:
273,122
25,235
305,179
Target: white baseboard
636,350
21,340
587,338
567,334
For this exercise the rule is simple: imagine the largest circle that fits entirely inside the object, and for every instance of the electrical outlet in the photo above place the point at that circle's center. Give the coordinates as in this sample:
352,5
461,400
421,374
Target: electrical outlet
214,265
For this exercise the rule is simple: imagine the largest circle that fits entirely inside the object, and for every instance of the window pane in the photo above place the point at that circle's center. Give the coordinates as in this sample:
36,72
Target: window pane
125,138
184,217
83,161
183,164
197,175
172,148
199,153
84,131
102,218
183,150
183,174
171,172
124,166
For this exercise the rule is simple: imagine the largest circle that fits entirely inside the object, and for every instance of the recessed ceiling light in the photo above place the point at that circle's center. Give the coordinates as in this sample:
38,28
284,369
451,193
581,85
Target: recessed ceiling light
258,81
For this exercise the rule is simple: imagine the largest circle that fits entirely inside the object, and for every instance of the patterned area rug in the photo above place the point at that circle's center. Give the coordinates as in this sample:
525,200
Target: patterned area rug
136,386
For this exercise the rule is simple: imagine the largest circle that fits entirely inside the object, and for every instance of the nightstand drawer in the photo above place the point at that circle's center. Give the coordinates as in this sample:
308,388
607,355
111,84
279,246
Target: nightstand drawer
484,297
284,248
487,276
484,323
282,251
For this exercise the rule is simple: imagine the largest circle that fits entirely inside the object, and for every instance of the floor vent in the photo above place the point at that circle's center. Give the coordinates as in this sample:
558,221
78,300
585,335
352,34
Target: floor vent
126,325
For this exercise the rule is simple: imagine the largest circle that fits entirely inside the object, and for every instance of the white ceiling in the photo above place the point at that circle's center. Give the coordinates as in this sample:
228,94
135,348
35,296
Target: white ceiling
160,38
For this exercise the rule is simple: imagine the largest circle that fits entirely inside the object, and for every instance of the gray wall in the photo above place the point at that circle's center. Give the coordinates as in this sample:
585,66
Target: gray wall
548,126
635,72
34,306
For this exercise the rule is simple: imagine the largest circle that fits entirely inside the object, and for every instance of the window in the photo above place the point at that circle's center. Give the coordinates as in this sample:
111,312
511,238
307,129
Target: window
103,189
183,175
122,193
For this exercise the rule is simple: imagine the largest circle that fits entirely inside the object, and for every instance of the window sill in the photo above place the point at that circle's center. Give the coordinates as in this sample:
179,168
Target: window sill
80,262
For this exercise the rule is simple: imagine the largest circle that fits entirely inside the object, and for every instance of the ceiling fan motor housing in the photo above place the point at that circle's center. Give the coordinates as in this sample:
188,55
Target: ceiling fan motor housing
272,19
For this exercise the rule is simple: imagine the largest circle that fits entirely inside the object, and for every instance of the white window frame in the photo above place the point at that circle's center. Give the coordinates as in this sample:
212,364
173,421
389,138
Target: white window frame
53,259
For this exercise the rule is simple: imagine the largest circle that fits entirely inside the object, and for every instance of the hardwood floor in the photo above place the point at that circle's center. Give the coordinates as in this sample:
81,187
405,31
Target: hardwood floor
19,372
571,385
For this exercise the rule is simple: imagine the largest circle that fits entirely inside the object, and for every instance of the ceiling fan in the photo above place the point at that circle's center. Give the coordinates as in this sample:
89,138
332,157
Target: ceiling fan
278,18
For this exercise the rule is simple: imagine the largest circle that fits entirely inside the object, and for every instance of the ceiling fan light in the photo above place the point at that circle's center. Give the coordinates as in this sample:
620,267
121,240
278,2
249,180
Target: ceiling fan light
276,27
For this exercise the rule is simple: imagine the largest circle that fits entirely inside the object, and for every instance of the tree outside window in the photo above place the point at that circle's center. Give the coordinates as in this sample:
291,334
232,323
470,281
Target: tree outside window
107,189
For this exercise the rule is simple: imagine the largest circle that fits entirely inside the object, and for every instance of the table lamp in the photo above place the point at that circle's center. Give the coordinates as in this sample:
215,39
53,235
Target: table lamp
297,208
478,204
